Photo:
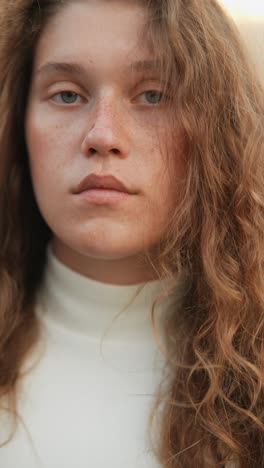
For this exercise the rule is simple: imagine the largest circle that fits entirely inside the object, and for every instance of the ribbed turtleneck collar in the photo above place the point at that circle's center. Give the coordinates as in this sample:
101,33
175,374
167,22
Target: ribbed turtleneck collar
89,307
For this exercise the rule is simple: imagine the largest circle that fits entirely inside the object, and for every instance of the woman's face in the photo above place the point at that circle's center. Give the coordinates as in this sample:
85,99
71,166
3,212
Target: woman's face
90,113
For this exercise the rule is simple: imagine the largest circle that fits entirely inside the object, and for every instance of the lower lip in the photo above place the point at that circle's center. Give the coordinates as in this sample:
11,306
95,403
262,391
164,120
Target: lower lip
103,196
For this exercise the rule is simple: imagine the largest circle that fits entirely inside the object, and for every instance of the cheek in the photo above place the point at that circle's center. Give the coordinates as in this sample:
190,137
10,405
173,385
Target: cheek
159,161
168,180
45,143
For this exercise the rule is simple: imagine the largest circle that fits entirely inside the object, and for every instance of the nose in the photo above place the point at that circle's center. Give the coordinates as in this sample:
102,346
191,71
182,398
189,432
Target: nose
106,133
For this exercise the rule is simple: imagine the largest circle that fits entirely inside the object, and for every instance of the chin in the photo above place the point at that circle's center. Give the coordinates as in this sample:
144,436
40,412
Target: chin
109,243
107,252
111,249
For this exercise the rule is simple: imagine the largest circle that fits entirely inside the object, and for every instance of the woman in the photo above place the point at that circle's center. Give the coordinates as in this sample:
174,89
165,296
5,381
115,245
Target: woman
132,201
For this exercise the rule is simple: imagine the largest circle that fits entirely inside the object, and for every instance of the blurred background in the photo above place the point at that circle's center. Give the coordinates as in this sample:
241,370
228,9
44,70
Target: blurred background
249,17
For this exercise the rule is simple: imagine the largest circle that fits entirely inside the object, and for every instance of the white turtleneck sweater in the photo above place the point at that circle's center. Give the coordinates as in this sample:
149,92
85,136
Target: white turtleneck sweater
86,406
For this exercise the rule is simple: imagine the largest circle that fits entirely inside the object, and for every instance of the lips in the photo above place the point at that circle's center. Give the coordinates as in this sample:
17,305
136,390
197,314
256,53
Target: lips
107,182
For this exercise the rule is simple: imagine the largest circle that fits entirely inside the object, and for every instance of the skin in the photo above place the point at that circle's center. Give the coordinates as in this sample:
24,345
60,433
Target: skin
113,126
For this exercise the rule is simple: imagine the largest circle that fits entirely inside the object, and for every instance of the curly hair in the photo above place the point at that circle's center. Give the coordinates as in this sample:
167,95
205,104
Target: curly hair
211,398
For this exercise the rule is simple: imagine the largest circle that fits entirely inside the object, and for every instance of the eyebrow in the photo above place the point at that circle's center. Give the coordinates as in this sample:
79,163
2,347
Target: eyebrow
76,69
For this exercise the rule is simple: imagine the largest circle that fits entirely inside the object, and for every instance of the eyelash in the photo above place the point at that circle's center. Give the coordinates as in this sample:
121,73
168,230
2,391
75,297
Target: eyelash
73,93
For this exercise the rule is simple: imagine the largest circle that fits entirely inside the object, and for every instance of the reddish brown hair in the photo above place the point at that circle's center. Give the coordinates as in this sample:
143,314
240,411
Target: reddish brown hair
213,395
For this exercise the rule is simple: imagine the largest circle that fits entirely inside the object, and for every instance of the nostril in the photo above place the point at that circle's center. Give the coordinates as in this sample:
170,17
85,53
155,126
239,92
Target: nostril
92,151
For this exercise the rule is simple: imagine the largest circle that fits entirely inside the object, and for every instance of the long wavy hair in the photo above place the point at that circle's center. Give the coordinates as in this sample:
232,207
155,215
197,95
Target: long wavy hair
210,407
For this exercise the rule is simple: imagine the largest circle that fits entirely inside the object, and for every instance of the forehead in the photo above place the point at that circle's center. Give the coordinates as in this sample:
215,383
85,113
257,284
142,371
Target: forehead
95,31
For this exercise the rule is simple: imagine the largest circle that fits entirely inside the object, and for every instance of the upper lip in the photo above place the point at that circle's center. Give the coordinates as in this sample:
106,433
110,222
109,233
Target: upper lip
93,181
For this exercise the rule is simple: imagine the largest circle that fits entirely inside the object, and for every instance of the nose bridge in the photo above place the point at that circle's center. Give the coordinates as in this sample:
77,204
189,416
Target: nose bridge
105,110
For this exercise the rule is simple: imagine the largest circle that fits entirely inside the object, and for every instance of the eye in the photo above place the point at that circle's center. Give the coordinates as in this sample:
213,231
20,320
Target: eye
66,97
153,96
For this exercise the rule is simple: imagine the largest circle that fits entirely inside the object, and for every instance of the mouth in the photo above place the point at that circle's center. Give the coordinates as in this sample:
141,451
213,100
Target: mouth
102,183
103,190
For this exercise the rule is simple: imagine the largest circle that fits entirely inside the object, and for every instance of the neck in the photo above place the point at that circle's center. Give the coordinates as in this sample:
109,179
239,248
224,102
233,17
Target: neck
120,271
88,307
